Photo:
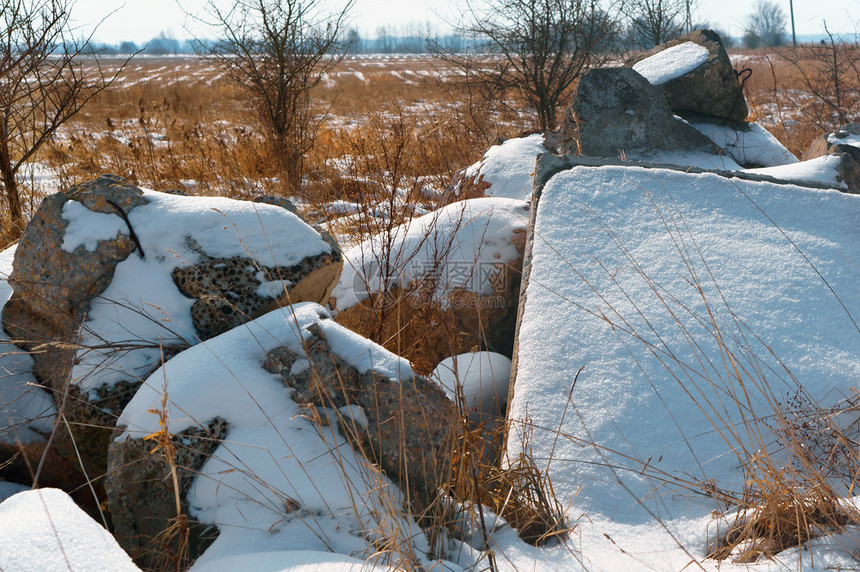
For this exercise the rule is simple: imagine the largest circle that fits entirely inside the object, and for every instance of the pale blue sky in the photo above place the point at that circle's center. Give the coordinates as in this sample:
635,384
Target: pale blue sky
140,20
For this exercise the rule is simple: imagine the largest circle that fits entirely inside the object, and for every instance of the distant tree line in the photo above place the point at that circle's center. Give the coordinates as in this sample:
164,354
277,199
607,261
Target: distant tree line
645,24
409,39
165,44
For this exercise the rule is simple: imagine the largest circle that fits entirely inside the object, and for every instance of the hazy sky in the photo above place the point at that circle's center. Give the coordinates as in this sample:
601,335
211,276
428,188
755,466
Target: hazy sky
140,20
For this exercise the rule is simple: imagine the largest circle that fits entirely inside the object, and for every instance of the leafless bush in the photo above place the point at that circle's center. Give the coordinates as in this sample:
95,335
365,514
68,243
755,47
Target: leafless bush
42,86
538,49
278,52
830,71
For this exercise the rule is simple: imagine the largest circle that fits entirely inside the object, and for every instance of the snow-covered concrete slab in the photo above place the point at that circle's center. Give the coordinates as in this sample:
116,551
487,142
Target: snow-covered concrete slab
672,62
754,146
142,302
455,244
279,484
696,305
824,170
44,530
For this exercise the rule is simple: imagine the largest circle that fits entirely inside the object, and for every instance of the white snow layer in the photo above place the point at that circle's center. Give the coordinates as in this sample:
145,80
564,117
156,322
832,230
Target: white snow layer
822,170
852,139
223,227
698,159
756,147
480,377
278,483
45,530
696,304
26,411
509,168
287,561
459,247
142,306
672,62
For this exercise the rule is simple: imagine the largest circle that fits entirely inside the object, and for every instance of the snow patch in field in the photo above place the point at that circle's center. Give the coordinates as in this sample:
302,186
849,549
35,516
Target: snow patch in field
672,62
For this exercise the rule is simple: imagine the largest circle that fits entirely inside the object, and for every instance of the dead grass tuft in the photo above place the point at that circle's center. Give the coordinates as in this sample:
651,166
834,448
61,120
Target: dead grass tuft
780,509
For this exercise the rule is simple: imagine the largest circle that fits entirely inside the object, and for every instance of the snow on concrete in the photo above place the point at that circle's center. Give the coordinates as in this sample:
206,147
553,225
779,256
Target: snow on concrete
226,228
278,482
672,62
44,530
508,168
852,139
26,411
649,280
755,147
451,245
142,304
697,159
480,378
821,170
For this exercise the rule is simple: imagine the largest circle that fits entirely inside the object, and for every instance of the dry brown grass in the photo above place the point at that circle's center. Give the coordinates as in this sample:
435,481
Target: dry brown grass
177,123
792,92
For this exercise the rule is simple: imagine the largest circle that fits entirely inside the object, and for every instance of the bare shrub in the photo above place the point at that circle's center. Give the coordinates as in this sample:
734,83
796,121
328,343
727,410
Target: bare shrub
830,72
42,86
538,49
278,52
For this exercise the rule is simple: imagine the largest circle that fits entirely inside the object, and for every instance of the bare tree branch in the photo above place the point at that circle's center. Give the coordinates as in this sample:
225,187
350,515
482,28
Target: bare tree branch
42,85
766,25
657,21
536,47
278,51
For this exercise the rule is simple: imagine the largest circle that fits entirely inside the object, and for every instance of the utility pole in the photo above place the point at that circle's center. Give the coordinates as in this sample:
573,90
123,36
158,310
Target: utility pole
791,9
689,21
